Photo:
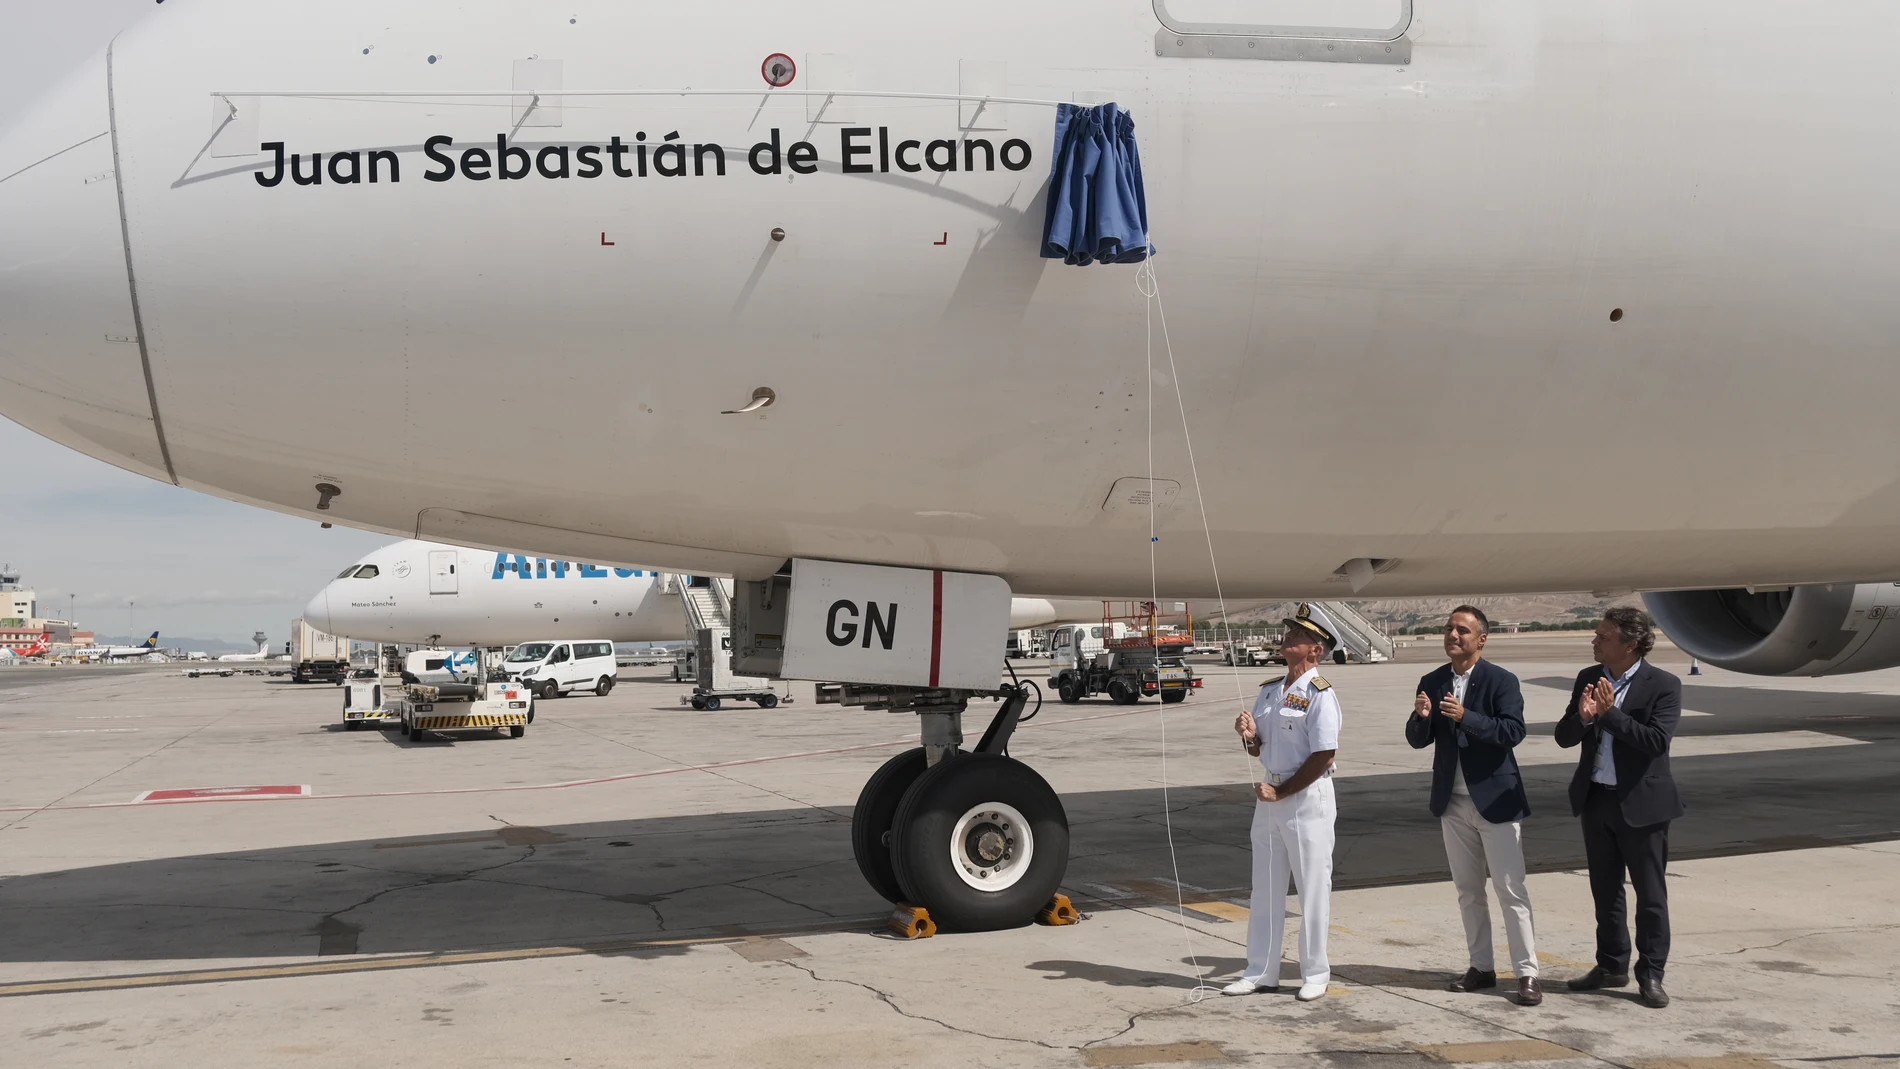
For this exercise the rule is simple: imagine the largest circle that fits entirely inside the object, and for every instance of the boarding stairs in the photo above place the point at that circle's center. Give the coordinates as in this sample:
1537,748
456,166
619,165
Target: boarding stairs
1359,637
706,603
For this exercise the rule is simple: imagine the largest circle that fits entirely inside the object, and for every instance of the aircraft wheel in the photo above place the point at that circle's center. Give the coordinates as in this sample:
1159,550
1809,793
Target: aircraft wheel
871,819
768,701
1069,691
1121,693
601,688
981,841
517,731
1339,656
1173,697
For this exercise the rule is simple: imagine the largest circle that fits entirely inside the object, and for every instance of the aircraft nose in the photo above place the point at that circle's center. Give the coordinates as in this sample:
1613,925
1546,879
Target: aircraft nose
72,364
317,613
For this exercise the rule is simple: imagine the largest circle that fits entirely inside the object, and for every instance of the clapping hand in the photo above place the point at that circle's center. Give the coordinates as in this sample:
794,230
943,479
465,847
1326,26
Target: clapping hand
1452,708
1421,705
1595,699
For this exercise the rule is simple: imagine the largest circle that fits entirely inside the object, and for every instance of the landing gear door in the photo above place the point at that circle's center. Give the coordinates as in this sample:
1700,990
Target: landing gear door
442,578
912,627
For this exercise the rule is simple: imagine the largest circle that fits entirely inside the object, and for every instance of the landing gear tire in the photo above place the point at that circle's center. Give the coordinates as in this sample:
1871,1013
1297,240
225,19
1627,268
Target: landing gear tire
517,731
871,819
1339,656
601,688
1069,691
981,841
1173,697
1121,693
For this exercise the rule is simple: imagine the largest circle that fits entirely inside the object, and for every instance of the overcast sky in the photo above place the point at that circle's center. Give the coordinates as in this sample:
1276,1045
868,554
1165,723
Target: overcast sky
194,565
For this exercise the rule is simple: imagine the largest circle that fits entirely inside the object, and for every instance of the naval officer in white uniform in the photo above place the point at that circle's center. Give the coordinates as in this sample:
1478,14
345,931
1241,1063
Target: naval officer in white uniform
1294,729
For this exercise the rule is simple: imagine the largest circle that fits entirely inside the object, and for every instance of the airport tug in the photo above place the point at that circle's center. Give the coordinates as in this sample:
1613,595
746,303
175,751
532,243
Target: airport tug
502,706
420,708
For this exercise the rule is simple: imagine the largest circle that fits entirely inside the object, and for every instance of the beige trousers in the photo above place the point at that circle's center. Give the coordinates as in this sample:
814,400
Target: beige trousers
1473,844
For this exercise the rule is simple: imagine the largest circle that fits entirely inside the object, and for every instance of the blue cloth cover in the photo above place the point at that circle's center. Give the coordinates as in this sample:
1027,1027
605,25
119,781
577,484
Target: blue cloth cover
1098,211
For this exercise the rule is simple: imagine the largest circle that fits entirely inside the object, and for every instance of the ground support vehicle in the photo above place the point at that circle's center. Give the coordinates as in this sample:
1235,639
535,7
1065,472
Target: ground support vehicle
497,707
316,657
1139,657
363,704
715,682
1242,655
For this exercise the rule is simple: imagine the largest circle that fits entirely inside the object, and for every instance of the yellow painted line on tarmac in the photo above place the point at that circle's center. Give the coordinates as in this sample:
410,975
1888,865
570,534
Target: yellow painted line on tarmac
1509,1050
1226,911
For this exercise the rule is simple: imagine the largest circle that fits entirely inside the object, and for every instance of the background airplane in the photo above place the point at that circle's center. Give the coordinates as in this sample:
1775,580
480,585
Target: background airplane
36,648
416,591
262,653
116,653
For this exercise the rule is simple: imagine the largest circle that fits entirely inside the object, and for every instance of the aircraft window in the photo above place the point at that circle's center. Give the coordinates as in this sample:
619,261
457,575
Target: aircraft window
367,571
347,572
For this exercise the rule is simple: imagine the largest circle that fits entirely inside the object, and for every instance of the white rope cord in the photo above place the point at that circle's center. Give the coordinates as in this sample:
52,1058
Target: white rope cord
1149,287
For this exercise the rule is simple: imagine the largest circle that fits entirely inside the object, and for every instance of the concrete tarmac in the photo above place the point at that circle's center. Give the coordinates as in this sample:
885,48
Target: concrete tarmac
637,882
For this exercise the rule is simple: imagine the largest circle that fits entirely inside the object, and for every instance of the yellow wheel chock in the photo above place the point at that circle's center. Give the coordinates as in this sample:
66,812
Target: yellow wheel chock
911,922
1058,912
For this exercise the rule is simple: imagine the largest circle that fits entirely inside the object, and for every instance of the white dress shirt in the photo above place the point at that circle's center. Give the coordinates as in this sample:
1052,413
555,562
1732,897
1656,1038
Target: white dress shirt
1605,772
1459,685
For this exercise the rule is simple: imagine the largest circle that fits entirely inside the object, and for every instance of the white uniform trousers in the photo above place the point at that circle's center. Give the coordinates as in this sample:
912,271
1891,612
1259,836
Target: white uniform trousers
1471,844
1292,836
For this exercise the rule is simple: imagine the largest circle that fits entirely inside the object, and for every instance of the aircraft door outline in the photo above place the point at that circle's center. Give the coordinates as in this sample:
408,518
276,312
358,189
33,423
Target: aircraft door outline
442,577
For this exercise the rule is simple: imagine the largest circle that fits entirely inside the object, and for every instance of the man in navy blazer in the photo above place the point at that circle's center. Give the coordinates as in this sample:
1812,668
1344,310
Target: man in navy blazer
1472,711
1623,711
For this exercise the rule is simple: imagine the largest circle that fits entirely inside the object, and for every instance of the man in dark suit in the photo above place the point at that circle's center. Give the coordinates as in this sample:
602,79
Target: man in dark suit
1473,712
1624,712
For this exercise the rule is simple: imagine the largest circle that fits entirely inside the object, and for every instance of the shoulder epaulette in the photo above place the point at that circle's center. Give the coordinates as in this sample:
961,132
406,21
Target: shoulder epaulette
1272,681
1319,683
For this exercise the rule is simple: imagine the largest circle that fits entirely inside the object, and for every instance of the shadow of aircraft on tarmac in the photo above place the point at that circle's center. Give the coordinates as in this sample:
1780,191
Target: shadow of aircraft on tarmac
788,870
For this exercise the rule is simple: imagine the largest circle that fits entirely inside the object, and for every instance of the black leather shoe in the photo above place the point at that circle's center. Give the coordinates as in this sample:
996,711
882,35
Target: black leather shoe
1653,994
1599,977
1529,992
1474,980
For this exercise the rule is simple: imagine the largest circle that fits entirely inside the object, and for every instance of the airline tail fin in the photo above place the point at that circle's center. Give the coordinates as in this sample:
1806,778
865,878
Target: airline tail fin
150,643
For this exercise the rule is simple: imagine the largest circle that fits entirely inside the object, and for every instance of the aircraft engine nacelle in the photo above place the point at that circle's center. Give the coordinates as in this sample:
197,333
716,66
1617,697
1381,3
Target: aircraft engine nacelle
1821,630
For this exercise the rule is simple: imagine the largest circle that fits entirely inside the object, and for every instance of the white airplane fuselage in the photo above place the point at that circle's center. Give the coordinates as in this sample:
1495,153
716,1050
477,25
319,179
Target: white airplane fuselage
429,592
416,591
1581,295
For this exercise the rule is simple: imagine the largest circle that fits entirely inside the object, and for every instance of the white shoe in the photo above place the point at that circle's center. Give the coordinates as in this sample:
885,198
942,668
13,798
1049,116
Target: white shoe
1246,987
1309,992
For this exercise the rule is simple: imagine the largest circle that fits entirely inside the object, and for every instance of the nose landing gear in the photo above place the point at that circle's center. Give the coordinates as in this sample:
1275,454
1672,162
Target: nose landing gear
978,838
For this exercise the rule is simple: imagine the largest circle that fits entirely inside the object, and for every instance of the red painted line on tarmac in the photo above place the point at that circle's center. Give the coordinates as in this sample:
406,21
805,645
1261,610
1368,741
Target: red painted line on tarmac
565,785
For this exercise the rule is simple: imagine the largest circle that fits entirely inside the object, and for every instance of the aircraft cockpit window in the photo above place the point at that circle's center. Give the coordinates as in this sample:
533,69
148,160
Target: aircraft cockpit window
347,572
367,571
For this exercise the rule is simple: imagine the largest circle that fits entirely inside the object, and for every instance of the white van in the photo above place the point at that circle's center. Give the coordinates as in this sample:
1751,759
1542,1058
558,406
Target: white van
555,668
